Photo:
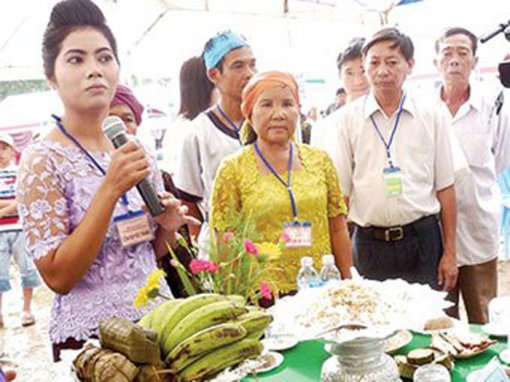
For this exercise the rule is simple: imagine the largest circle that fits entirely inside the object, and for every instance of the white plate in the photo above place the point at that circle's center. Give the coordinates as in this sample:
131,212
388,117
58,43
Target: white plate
496,330
398,341
279,343
505,356
277,361
457,325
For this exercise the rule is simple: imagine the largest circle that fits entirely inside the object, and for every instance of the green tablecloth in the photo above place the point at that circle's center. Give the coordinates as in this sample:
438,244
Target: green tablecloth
303,363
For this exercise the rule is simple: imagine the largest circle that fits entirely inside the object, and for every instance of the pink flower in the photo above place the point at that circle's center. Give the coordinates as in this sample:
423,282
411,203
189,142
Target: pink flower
228,236
198,266
285,237
265,290
250,248
213,267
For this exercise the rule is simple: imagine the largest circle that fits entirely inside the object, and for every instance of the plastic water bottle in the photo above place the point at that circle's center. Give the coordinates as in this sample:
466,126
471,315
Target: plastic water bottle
307,276
329,271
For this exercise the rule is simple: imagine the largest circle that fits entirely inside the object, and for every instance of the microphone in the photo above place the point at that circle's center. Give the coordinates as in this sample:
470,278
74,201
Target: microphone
114,128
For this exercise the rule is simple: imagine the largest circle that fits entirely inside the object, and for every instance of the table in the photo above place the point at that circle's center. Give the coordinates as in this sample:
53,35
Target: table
303,363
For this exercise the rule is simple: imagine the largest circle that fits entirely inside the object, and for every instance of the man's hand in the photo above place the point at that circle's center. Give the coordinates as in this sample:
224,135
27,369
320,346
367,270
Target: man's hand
175,214
447,272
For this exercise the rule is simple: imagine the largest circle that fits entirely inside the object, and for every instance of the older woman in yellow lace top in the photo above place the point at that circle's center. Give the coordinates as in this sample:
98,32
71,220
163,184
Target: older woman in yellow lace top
285,189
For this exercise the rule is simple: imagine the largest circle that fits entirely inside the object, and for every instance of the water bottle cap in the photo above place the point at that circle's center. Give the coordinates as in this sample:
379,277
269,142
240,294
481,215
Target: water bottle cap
328,260
306,261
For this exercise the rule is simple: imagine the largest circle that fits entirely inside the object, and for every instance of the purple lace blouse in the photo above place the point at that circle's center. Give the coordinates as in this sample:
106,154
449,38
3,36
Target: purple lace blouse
56,184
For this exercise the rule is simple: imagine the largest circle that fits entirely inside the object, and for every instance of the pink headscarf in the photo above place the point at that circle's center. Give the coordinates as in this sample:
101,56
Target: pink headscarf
124,96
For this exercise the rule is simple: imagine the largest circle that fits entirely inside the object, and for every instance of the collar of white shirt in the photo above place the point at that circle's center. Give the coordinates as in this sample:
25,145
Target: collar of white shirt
474,101
371,106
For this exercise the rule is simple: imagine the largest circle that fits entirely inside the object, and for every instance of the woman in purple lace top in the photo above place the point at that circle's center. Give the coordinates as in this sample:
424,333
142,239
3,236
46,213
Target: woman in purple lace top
68,205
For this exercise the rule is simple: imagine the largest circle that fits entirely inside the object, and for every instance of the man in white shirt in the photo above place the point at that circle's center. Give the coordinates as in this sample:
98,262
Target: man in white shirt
355,83
395,167
214,134
484,137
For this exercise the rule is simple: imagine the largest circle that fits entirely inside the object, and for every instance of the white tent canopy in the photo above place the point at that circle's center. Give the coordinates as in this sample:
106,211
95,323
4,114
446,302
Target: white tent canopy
156,36
28,112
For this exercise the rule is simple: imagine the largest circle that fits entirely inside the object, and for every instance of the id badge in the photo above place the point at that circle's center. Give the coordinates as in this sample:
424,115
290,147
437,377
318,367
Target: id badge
392,182
133,228
299,234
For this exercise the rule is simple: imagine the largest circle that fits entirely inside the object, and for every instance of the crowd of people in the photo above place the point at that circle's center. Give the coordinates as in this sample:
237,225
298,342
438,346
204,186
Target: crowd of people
413,178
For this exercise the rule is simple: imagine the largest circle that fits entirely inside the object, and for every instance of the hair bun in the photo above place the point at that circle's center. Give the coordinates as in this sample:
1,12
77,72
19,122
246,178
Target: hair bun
76,12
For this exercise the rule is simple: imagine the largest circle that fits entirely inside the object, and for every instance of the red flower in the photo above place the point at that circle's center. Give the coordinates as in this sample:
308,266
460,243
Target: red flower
228,236
265,290
197,266
250,248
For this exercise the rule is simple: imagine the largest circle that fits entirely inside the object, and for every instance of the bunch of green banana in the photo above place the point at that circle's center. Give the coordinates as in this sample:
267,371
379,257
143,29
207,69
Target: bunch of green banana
221,358
179,315
201,335
255,322
203,342
161,313
202,318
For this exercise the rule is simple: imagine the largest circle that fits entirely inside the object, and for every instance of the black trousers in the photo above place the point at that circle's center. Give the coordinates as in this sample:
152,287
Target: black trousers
414,258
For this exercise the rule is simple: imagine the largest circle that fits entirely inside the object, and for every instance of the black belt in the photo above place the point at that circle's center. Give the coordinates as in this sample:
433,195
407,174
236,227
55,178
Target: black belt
395,233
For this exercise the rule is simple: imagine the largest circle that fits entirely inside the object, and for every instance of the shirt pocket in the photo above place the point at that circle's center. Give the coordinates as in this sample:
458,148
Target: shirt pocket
476,147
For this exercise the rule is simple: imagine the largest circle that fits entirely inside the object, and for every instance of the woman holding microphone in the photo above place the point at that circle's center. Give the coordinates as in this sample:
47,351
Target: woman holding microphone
76,193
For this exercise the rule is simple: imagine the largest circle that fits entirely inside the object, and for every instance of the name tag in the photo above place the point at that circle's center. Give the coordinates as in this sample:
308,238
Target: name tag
392,182
133,228
299,234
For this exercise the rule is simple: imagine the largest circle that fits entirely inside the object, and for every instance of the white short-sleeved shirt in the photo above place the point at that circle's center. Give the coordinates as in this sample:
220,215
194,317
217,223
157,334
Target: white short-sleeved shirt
8,192
420,147
205,144
484,138
323,132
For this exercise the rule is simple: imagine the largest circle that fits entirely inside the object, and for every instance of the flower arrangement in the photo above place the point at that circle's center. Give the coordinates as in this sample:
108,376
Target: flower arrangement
235,266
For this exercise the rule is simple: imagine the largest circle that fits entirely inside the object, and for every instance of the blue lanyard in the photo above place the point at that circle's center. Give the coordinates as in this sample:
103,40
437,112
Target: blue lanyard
392,135
58,120
289,171
237,129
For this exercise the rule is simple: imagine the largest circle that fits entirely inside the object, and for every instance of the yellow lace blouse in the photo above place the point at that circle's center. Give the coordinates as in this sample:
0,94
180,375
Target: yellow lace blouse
239,184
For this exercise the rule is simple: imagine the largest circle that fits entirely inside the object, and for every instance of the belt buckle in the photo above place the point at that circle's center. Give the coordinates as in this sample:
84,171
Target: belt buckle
399,234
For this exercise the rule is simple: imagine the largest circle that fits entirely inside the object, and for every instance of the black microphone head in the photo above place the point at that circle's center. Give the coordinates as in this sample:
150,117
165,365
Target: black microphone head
504,73
113,126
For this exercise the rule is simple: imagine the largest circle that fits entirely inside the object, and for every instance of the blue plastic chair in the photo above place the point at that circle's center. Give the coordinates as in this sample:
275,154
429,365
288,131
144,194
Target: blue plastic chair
504,184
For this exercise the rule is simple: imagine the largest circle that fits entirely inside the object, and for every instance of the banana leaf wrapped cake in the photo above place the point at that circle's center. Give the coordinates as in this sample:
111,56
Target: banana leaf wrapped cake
95,364
136,343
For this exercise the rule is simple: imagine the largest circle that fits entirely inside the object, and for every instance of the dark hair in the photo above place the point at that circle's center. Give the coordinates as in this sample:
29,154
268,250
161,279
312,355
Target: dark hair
340,91
352,52
458,30
196,89
399,39
67,16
